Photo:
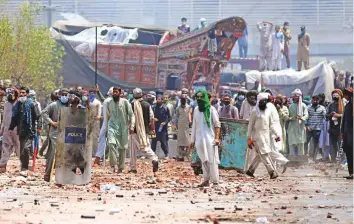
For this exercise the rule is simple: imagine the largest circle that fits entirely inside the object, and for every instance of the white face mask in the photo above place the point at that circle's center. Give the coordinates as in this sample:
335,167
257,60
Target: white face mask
22,99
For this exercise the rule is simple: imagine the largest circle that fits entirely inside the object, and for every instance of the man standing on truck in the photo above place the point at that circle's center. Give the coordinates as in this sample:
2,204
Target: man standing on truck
287,38
265,28
277,48
184,27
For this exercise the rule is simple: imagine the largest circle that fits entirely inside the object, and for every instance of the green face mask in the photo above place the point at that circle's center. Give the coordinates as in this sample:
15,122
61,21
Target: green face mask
84,98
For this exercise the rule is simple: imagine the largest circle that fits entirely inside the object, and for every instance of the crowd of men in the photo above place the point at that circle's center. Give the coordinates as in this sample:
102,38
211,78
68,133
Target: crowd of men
274,44
280,128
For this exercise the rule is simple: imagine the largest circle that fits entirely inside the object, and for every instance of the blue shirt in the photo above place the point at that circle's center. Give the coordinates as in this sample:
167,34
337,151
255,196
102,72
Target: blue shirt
162,114
243,40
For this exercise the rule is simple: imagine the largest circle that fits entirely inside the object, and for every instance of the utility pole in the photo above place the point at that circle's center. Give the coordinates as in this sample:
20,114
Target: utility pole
49,10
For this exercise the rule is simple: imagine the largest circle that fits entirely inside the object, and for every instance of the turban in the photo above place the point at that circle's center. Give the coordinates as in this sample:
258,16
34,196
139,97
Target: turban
296,92
137,93
261,96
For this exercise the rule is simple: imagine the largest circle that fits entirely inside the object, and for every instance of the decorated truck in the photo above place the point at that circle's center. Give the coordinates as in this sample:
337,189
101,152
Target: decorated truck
148,57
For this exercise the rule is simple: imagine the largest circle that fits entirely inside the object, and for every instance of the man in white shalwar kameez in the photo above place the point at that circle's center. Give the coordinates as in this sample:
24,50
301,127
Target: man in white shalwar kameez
205,137
277,48
102,137
265,29
260,128
276,146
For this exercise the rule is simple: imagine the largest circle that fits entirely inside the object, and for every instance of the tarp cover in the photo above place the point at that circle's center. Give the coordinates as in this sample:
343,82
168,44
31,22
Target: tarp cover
74,146
316,80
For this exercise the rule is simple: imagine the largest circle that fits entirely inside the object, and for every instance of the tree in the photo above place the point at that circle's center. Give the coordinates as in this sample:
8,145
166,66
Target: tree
29,56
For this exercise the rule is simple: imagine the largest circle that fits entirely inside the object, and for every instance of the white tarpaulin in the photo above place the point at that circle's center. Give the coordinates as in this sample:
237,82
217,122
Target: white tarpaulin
85,42
316,80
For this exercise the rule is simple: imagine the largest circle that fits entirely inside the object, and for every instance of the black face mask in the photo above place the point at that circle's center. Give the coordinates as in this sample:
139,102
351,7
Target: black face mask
335,99
226,103
262,105
183,101
315,104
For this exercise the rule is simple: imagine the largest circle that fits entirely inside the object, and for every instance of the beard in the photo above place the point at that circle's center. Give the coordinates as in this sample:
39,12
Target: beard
262,106
251,101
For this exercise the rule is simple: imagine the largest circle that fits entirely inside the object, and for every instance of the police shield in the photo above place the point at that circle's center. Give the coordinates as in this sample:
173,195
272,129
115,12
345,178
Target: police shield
74,146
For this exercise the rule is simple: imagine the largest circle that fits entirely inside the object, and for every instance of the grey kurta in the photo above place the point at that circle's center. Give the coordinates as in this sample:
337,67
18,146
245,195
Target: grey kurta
182,121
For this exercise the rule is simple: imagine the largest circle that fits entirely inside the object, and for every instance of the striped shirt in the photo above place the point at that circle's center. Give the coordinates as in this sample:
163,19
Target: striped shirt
316,117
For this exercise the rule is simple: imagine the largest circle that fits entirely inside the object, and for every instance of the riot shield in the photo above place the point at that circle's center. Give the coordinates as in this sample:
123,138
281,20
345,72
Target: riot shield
74,146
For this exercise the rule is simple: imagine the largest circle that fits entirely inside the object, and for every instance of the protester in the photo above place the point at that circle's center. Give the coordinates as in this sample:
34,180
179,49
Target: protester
277,48
276,144
334,115
317,113
95,106
10,139
260,128
239,100
243,43
265,28
120,122
102,137
248,105
54,98
184,27
51,116
347,130
228,110
202,25
144,117
206,137
151,98
298,114
25,114
162,118
183,122
303,50
287,38
283,112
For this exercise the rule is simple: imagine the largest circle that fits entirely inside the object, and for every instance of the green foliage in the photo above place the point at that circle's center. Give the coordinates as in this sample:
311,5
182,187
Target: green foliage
28,54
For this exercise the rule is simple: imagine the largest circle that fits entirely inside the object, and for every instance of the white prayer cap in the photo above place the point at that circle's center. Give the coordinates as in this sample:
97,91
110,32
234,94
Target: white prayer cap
296,92
262,96
137,92
110,91
202,19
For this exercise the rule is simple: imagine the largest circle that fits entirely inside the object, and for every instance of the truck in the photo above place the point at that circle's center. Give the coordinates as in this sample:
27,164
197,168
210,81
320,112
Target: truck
147,57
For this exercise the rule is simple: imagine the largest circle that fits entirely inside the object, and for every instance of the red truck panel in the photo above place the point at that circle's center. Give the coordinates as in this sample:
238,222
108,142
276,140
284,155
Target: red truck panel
102,67
117,71
102,53
148,75
133,73
149,56
117,54
133,55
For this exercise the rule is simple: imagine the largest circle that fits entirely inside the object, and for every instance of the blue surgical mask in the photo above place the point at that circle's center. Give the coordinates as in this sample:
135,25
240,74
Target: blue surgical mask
92,97
64,99
241,97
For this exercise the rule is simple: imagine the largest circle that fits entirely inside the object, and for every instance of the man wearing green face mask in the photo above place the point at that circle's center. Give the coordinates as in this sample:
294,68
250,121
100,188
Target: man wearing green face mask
202,25
205,137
